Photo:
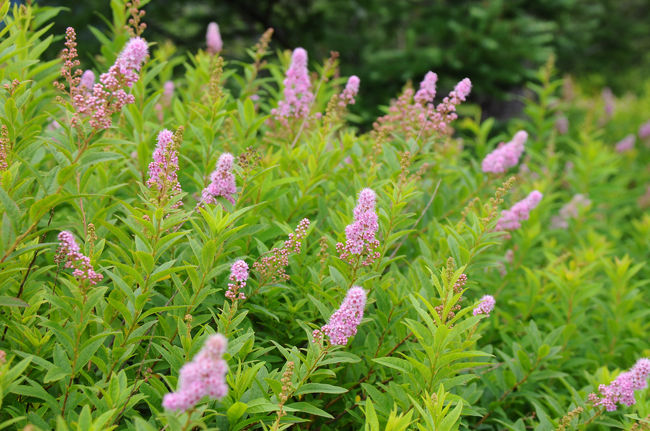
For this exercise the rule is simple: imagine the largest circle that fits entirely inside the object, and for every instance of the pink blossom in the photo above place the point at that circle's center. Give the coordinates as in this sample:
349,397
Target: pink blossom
361,244
485,306
88,80
511,219
626,144
569,211
297,89
562,125
505,155
222,182
70,255
204,376
168,92
621,390
163,170
344,322
608,98
644,130
350,91
427,91
238,277
213,38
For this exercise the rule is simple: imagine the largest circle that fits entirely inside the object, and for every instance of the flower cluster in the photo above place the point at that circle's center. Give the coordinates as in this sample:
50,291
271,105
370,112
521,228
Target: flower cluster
621,390
222,182
70,255
644,130
511,219
350,91
569,211
360,242
626,144
297,90
505,155
272,267
163,170
485,306
213,38
343,323
204,376
416,114
238,277
101,100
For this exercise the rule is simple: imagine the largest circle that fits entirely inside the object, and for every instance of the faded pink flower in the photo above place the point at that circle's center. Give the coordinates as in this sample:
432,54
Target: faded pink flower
272,266
204,376
511,219
505,155
344,322
88,80
626,144
163,170
213,38
644,130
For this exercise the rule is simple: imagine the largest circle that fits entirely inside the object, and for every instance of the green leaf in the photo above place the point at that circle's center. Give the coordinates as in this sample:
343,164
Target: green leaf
236,411
10,301
320,388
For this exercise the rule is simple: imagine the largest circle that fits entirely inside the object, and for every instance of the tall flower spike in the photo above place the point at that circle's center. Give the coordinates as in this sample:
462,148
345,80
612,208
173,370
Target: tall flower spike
344,322
163,170
238,277
506,155
511,219
204,376
485,306
297,89
350,91
213,38
361,243
621,390
222,182
70,255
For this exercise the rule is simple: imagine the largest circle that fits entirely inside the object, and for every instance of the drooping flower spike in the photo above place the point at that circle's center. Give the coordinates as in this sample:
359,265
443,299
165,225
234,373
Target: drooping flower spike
204,376
272,266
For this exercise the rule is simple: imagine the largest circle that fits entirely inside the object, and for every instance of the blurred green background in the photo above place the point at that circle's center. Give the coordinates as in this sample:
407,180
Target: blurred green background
498,43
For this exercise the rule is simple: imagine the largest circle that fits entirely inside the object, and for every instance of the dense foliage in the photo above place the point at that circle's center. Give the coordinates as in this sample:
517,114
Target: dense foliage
225,246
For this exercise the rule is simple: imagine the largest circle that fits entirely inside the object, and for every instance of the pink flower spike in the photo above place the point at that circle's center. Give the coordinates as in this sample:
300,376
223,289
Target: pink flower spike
344,322
626,144
621,390
238,277
485,306
350,91
70,255
506,155
644,130
88,80
297,90
361,244
427,91
222,182
204,376
213,38
511,219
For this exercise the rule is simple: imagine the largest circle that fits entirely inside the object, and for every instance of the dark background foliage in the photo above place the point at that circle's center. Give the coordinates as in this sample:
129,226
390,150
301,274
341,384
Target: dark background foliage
497,43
